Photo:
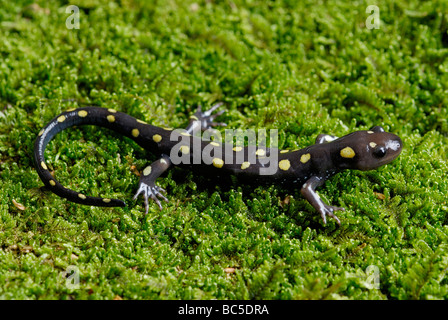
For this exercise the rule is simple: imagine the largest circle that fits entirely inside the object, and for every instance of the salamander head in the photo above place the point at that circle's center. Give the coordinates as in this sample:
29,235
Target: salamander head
367,150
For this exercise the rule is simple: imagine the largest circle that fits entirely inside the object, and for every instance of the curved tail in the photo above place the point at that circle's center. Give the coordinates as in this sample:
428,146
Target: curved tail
108,118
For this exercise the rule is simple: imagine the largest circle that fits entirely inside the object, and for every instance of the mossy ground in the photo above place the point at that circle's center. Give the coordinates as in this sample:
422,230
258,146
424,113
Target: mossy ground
302,67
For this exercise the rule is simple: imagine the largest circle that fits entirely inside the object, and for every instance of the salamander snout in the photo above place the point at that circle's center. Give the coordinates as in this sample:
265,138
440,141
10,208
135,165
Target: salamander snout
380,148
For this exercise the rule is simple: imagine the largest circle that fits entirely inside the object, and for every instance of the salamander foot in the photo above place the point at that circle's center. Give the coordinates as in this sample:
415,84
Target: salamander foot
150,191
207,117
327,210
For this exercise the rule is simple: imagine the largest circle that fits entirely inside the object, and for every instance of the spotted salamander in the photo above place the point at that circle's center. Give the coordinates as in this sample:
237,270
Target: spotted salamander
307,168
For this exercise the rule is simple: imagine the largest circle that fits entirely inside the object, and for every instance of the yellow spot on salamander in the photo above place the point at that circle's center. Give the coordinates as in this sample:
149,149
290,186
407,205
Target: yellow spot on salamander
284,151
168,129
82,113
135,133
112,110
162,161
111,118
245,165
194,118
305,157
284,164
218,163
71,109
43,165
106,200
260,152
347,152
184,149
147,170
237,149
52,182
141,121
157,138
372,144
81,196
61,119
370,132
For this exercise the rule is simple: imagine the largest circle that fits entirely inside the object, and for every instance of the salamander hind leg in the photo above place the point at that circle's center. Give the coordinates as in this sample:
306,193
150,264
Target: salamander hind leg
207,118
147,185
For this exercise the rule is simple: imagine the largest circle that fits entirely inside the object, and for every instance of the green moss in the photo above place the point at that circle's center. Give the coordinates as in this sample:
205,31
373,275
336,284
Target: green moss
302,67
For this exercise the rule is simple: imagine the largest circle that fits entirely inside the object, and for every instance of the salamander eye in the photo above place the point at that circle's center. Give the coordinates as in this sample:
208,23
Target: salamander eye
377,129
379,152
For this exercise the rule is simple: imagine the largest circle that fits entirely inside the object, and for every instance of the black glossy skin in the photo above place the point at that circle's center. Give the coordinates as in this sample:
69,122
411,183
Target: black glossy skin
307,168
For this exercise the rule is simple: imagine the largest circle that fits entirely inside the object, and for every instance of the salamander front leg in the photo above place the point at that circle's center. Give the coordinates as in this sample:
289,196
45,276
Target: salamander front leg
147,184
308,191
324,138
